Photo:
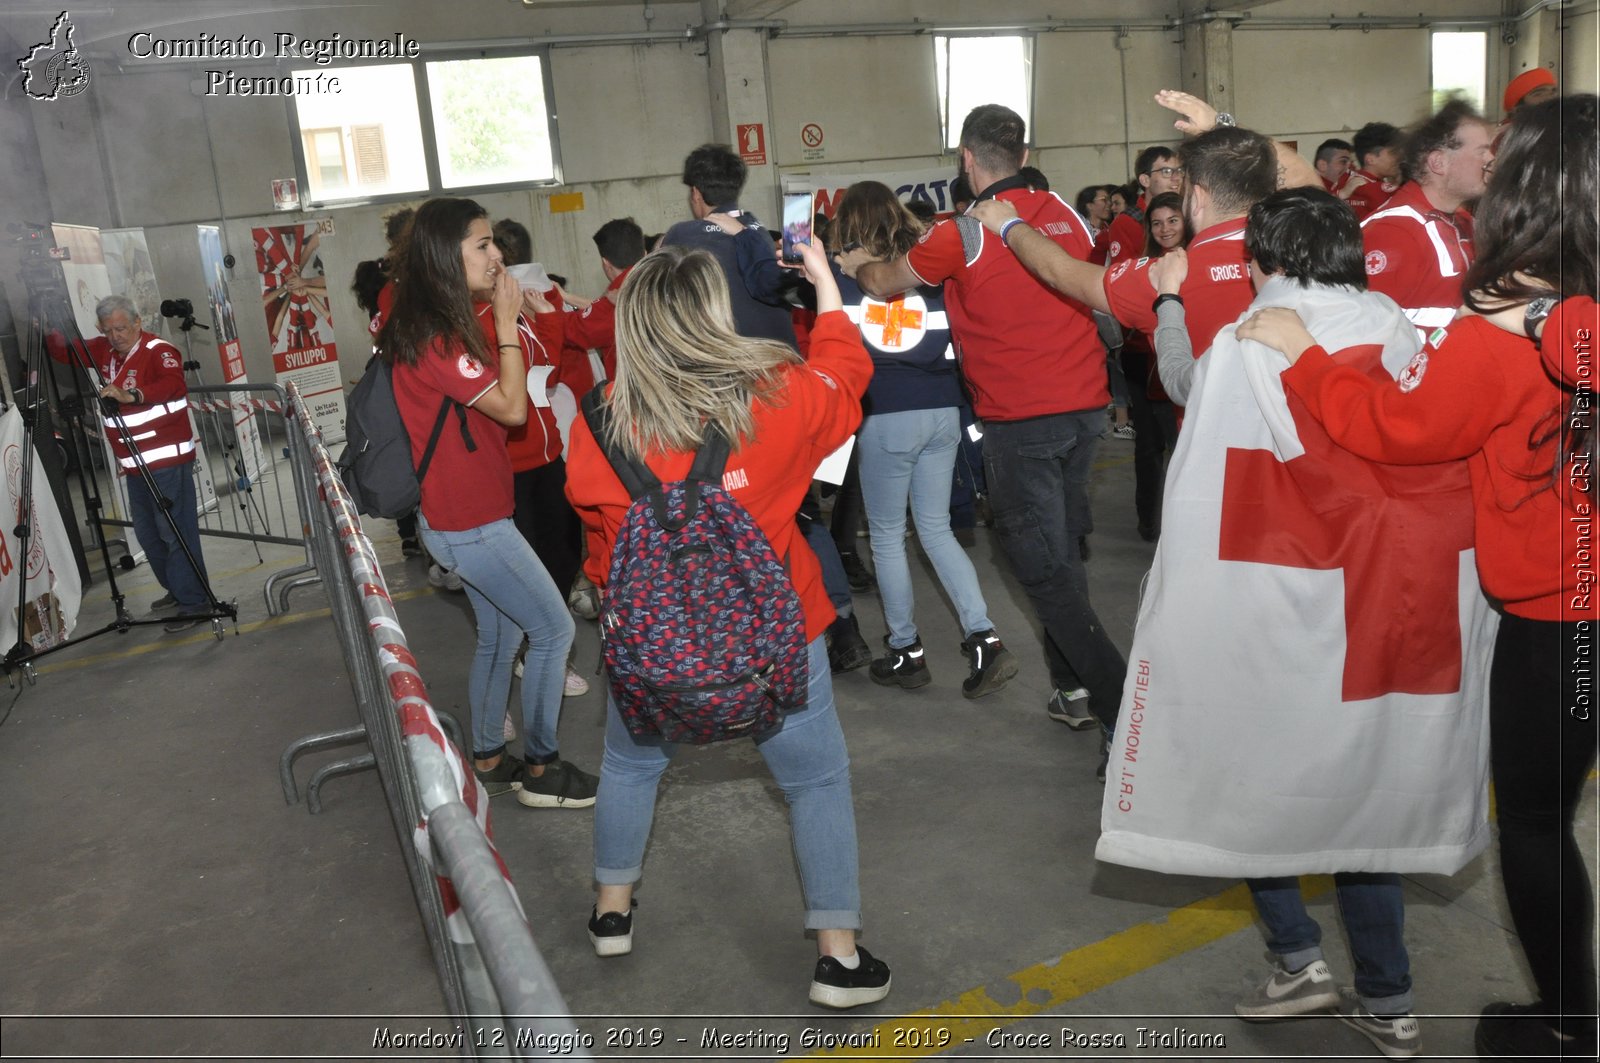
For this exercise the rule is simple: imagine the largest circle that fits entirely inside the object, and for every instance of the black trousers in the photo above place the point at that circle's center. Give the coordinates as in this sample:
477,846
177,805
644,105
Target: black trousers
1155,426
1542,745
547,520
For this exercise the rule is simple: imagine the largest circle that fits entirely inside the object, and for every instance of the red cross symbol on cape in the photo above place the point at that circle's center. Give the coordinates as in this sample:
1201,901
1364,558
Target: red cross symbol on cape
1395,531
895,317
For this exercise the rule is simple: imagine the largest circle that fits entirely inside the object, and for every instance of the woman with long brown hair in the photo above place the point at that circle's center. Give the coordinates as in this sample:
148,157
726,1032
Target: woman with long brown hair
459,345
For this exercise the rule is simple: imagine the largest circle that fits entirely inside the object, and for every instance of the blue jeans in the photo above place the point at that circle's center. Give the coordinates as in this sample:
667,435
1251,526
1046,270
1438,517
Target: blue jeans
1374,916
512,595
185,582
1038,473
911,455
808,760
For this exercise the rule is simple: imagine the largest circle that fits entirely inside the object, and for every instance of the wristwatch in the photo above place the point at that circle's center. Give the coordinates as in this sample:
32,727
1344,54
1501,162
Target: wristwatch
1538,309
1224,118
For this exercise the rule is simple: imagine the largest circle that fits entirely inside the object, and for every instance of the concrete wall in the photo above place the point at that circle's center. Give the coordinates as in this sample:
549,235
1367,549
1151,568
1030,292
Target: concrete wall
140,148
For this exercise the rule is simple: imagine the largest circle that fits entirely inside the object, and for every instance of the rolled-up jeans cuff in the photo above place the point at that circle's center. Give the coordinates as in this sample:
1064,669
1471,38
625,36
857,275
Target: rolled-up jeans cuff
614,876
832,920
1399,1004
1300,959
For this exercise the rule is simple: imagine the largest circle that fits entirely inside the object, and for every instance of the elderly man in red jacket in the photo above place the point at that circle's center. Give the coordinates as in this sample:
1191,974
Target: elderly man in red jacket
143,374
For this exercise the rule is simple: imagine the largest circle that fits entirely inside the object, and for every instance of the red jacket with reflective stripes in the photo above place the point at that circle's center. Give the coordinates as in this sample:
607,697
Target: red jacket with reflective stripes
159,427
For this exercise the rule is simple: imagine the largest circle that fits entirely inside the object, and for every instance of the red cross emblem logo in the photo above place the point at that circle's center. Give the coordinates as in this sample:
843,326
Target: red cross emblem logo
896,325
1395,531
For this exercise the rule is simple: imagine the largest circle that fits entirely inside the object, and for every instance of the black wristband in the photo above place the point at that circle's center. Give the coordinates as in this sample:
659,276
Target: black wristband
511,346
1166,297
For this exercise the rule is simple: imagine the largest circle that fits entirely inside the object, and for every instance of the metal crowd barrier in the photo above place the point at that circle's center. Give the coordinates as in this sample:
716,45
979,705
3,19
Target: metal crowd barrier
490,969
260,486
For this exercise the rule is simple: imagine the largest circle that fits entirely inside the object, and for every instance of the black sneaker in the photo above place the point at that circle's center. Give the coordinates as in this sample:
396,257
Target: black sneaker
611,934
560,786
184,621
992,664
906,667
854,571
166,601
1529,1031
410,547
503,778
847,650
836,986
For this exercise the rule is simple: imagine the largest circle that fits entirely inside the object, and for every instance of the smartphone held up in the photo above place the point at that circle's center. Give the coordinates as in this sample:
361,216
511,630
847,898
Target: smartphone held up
796,224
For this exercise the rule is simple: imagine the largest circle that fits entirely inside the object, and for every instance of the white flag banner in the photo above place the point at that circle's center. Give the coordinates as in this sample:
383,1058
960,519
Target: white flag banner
53,590
1308,685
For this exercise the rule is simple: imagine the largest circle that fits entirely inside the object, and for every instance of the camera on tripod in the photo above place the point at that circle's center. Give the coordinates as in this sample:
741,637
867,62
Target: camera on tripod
40,268
182,309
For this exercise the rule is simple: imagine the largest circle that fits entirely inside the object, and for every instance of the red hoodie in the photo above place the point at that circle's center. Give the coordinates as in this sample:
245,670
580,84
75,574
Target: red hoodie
1480,393
816,409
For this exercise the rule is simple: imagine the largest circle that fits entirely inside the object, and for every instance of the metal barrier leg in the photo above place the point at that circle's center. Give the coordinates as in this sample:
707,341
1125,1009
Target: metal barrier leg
328,771
452,727
306,744
279,604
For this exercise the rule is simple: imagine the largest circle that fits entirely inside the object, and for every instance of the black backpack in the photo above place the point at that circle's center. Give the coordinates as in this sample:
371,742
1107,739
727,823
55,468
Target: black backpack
376,463
703,633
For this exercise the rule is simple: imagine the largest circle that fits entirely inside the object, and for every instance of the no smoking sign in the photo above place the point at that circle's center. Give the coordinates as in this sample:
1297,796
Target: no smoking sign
811,141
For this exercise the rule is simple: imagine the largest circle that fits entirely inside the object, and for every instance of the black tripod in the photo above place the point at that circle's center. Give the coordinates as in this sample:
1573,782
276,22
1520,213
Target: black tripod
50,313
182,312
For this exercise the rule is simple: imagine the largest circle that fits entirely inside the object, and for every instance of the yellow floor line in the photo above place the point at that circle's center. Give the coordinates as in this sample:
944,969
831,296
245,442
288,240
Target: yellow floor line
1046,986
205,635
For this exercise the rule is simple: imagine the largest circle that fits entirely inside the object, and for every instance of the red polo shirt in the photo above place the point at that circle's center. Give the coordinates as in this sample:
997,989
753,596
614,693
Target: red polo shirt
1370,196
1216,291
1026,350
462,489
1417,255
1126,239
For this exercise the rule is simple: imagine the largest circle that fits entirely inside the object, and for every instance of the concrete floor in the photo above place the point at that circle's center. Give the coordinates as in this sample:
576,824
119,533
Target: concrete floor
153,869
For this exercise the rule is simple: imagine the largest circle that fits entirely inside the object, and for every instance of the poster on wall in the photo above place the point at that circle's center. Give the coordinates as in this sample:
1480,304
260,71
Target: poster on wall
85,272
249,461
294,294
931,186
132,274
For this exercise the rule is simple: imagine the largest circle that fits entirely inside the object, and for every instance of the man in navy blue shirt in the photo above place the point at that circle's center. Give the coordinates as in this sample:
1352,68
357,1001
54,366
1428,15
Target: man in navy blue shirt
715,176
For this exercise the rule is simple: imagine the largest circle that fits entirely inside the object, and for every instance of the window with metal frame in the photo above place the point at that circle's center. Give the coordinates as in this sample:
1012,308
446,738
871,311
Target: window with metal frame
977,70
1460,66
451,124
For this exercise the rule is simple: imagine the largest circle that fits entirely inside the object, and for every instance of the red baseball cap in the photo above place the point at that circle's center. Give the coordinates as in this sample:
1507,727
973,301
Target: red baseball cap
1525,83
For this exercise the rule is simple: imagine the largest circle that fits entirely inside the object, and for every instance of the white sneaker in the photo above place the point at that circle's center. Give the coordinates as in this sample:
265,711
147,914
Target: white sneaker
436,575
1287,994
583,599
576,686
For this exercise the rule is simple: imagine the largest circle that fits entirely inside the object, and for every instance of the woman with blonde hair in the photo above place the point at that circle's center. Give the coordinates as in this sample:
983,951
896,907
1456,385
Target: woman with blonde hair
681,371
908,442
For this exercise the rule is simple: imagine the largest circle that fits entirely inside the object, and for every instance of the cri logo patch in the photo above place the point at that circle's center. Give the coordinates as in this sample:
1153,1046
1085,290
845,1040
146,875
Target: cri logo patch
1377,262
469,367
1411,375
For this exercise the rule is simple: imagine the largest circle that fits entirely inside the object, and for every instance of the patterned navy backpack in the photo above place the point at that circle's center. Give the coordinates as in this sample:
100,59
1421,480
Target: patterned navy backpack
704,636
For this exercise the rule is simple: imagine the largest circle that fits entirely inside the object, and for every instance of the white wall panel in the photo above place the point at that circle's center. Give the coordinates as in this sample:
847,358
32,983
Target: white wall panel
874,97
629,111
1287,80
1580,59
